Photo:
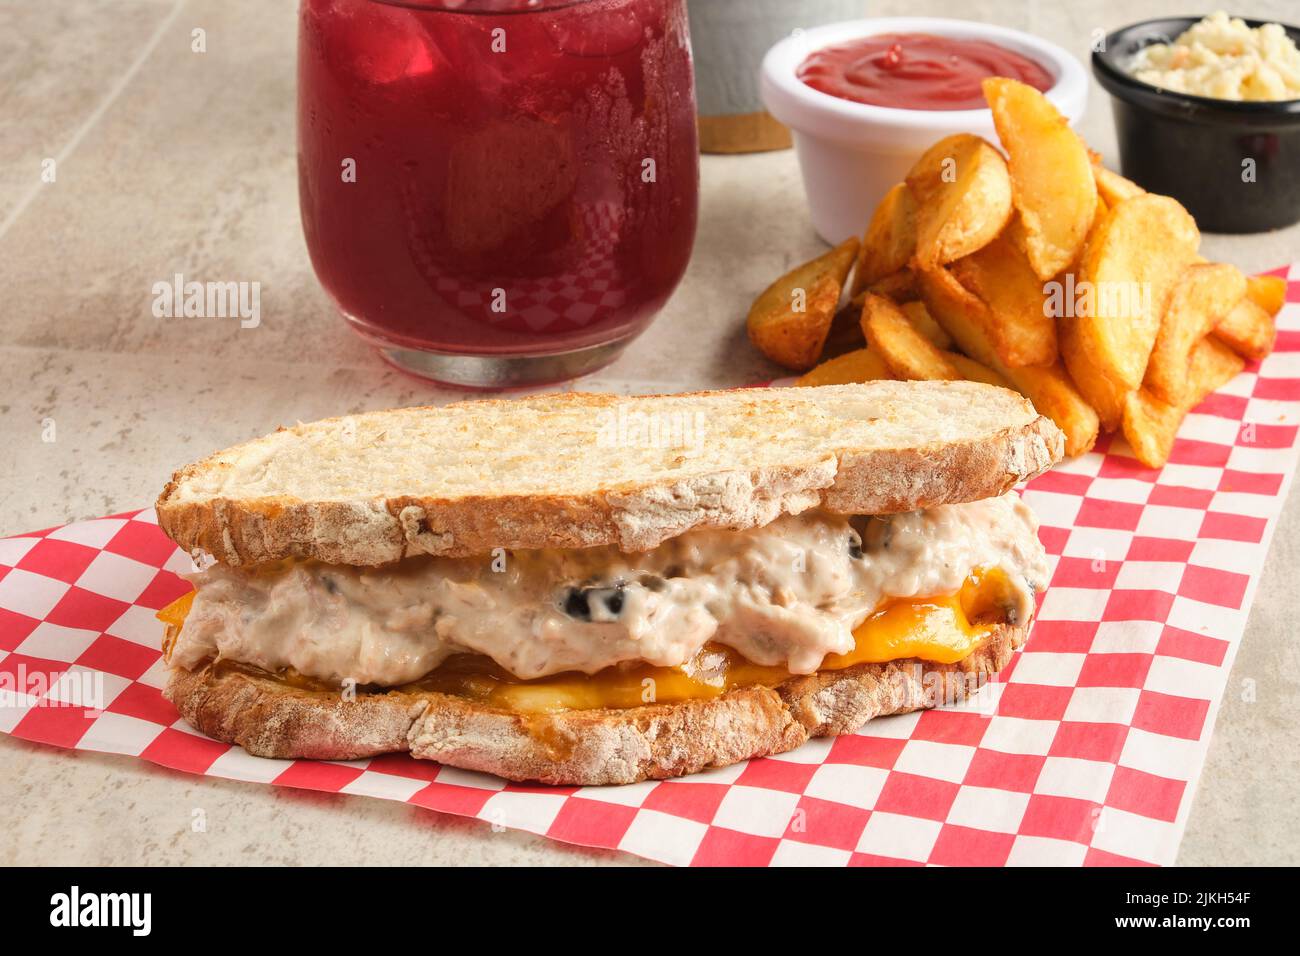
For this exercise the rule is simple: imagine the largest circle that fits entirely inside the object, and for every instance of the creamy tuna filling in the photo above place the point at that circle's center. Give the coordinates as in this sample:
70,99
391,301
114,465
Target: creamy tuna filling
786,594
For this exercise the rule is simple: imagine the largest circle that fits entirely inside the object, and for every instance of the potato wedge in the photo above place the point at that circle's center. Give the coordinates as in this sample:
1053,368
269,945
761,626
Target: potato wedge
1053,393
973,371
936,168
1267,292
1248,330
1112,187
1021,330
906,352
861,365
1100,387
890,239
959,313
964,317
1052,182
900,286
1204,294
924,323
1213,365
1151,424
790,320
963,196
1126,274
794,337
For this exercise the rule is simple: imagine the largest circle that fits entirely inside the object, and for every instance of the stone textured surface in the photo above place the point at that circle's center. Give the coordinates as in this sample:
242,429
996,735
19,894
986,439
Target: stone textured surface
172,161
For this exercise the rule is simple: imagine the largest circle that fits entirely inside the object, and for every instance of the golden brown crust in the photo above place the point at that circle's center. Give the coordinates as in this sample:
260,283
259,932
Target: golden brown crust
587,747
957,472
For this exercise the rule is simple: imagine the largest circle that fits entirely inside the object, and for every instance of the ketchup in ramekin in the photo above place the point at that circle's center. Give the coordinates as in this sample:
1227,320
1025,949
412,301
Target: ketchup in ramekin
916,71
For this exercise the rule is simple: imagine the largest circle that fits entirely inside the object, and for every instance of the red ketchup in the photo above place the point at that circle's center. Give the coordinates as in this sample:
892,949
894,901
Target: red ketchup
917,71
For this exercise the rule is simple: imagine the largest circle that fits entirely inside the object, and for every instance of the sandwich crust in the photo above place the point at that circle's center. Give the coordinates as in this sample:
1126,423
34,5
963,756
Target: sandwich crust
879,448
269,718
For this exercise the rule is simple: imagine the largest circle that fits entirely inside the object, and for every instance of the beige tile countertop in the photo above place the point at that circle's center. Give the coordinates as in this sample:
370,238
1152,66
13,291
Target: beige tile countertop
173,161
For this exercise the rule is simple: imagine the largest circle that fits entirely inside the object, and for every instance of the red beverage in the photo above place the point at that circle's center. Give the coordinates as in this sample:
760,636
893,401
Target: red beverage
497,192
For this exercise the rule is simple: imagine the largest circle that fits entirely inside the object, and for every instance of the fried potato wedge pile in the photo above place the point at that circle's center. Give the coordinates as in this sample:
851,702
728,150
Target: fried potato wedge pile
1031,267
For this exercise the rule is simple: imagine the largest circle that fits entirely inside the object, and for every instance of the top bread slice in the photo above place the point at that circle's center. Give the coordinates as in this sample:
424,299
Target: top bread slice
581,470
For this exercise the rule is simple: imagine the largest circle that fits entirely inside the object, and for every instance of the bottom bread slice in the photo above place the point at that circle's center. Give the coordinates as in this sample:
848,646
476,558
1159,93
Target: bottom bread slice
270,718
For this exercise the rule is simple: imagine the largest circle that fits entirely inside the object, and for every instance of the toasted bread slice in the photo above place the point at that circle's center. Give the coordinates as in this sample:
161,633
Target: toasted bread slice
579,747
581,470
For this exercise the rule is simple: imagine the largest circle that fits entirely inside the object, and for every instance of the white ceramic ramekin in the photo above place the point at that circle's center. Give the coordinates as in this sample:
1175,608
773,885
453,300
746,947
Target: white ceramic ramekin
852,153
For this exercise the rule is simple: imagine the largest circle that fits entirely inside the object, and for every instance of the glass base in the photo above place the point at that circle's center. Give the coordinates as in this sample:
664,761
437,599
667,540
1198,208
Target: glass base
499,371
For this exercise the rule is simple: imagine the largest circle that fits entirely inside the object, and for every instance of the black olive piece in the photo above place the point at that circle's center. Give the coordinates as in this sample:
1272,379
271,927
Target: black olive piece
873,532
578,601
855,545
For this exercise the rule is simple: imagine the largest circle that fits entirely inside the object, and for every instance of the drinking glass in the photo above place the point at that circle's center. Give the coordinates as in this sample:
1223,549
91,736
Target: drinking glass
497,192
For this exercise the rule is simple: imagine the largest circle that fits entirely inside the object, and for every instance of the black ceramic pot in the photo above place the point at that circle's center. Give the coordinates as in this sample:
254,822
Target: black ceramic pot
1235,166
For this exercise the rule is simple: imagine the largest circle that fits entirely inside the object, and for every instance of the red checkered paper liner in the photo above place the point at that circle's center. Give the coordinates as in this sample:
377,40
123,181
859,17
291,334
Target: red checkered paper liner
1086,751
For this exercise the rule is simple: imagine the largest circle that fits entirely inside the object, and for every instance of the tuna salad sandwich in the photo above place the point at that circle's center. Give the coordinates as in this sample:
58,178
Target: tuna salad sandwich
594,589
